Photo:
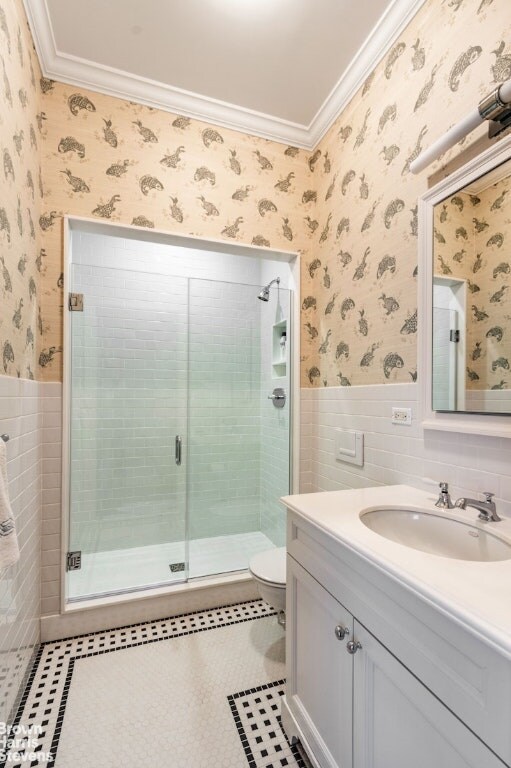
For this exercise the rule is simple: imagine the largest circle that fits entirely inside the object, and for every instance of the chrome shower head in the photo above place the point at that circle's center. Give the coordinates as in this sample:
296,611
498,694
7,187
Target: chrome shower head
264,295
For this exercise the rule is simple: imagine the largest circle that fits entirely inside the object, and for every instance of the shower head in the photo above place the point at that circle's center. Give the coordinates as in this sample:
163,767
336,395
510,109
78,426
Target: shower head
264,295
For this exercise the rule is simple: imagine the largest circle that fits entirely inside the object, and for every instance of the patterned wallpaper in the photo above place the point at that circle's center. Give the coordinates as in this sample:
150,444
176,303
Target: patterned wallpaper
359,289
472,236
349,207
122,162
20,193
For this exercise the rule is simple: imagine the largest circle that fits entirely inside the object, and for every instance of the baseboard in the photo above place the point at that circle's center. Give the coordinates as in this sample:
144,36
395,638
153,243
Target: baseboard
294,733
24,687
96,616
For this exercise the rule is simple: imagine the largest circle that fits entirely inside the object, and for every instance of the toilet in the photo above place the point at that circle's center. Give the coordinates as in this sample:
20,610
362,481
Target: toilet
269,571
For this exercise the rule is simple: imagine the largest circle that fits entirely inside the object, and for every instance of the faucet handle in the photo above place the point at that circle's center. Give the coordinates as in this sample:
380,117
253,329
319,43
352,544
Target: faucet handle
488,495
444,499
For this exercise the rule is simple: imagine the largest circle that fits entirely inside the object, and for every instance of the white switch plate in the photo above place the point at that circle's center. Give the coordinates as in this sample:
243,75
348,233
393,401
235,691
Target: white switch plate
402,416
349,446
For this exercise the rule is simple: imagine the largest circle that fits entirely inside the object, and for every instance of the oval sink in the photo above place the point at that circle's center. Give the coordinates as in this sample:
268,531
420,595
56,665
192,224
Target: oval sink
436,534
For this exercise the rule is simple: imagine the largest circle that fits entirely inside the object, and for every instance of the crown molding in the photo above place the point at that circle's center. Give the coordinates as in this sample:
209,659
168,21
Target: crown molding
84,73
397,16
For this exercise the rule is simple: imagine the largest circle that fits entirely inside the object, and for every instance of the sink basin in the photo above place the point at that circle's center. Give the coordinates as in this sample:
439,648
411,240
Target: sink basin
436,534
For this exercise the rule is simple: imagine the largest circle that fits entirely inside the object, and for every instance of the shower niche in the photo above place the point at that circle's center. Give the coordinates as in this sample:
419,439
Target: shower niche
171,349
279,349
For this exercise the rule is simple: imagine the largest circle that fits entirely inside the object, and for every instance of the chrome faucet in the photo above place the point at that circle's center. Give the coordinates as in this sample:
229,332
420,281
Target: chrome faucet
444,498
487,509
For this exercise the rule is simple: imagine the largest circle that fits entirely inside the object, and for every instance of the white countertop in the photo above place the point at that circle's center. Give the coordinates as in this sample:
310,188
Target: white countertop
477,594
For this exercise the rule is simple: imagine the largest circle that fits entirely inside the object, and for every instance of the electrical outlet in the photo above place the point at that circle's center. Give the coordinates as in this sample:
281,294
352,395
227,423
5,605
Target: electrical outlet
402,416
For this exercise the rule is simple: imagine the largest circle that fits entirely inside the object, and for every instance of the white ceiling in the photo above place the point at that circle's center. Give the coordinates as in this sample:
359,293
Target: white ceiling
270,66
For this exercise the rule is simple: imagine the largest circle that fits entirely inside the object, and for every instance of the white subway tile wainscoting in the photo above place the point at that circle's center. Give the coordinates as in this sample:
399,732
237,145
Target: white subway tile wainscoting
394,453
21,418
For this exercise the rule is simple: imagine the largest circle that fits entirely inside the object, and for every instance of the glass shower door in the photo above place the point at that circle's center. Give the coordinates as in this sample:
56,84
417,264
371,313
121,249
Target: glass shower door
128,406
239,441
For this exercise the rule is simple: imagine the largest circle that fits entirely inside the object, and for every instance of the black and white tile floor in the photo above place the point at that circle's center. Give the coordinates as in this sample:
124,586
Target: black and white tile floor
196,691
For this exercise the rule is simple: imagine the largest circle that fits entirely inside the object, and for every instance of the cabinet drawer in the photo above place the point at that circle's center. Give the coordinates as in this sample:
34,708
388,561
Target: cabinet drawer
467,674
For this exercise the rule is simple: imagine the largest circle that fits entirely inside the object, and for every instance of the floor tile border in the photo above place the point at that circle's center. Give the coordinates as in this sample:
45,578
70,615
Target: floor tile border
70,654
233,698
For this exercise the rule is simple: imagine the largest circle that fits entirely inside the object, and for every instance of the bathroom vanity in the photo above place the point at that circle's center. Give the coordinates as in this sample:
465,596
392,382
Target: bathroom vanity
397,657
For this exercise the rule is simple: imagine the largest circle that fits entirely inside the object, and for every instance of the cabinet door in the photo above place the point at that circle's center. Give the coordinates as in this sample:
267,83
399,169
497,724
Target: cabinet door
319,669
398,722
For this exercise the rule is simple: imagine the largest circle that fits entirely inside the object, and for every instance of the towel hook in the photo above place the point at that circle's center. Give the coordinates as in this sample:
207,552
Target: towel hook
5,438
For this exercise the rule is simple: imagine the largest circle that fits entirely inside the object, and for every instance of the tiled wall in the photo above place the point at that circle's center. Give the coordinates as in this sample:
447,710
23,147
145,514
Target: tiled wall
236,480
128,383
51,452
396,453
21,418
224,409
274,443
131,345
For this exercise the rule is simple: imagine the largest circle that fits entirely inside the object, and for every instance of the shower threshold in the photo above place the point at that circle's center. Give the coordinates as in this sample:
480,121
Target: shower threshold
115,572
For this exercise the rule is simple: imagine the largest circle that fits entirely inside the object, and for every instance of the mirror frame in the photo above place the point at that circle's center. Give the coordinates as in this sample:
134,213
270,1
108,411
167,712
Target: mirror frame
496,425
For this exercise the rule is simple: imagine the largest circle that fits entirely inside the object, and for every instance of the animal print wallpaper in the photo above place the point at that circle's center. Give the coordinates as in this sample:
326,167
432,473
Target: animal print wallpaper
20,195
117,161
359,303
349,207
472,236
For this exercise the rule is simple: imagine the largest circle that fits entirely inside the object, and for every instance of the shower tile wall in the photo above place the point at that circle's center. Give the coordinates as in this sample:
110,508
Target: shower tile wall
97,250
274,421
226,401
224,409
148,507
129,383
94,249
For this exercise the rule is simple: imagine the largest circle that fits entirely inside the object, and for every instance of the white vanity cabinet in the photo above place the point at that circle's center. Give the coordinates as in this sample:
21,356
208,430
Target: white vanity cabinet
319,671
398,723
368,708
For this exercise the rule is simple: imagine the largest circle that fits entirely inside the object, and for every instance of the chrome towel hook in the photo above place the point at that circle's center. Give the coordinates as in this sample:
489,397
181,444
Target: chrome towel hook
5,438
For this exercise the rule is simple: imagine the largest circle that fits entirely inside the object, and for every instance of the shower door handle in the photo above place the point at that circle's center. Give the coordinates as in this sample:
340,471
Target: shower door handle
178,449
278,396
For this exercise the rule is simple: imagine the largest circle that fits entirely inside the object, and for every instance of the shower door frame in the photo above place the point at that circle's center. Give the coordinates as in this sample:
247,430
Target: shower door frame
72,224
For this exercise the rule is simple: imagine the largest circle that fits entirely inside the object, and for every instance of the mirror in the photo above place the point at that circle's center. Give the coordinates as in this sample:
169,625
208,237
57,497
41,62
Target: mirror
465,297
471,296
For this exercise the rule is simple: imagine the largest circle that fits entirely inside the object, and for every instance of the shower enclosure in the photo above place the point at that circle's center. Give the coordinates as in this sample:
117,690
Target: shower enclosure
177,456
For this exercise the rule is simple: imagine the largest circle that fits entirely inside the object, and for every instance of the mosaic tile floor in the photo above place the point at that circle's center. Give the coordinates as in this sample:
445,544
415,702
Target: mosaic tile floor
195,691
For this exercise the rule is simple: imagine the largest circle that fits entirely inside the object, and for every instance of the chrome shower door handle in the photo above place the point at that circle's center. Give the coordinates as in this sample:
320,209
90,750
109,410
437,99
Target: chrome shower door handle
178,449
